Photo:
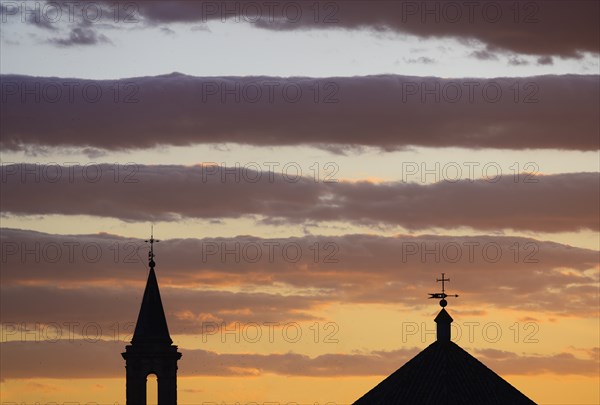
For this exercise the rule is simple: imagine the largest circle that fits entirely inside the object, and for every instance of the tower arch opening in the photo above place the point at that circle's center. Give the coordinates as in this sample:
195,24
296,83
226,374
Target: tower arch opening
152,389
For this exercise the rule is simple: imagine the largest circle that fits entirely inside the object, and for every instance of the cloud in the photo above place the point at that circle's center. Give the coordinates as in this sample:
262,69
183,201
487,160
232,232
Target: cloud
421,60
551,28
200,27
94,314
484,54
251,279
509,363
85,295
45,388
102,360
562,28
545,60
81,36
167,31
390,112
552,203
516,61
10,10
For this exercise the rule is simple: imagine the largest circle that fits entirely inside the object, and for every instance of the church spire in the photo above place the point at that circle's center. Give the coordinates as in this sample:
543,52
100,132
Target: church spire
151,350
443,319
151,326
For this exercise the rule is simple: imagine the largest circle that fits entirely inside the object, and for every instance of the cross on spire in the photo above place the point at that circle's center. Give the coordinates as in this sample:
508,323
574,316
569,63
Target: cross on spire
443,294
443,279
151,252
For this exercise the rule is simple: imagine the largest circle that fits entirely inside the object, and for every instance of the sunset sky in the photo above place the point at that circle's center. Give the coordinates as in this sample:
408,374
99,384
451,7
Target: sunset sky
311,168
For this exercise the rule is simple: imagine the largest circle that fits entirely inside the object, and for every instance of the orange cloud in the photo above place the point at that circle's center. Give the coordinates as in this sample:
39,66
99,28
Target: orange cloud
101,360
365,269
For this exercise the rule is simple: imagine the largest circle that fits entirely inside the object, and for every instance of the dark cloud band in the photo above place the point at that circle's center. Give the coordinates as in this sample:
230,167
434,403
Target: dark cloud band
552,203
388,112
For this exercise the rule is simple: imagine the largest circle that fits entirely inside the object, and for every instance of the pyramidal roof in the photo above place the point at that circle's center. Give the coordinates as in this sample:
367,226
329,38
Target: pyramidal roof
444,373
151,326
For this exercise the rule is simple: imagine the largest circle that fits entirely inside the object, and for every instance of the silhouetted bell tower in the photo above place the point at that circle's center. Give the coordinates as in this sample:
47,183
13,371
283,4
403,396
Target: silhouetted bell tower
151,350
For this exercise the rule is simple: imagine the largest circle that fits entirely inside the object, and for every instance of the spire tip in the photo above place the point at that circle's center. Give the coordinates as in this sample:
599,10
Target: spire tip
151,262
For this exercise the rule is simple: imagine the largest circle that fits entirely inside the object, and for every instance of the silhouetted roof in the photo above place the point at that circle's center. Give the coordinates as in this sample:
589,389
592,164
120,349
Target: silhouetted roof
151,324
446,374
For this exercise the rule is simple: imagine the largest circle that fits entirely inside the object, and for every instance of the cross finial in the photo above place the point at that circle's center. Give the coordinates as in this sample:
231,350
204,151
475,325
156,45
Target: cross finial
443,279
443,294
151,252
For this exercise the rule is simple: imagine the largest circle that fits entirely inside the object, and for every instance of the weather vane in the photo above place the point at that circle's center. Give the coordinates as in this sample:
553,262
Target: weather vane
443,294
151,252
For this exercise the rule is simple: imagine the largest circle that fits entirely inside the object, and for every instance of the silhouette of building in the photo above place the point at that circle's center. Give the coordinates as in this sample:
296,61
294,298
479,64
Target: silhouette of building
151,350
444,373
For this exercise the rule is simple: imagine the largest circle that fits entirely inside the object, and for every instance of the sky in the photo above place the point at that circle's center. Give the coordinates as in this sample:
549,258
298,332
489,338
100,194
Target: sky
310,169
